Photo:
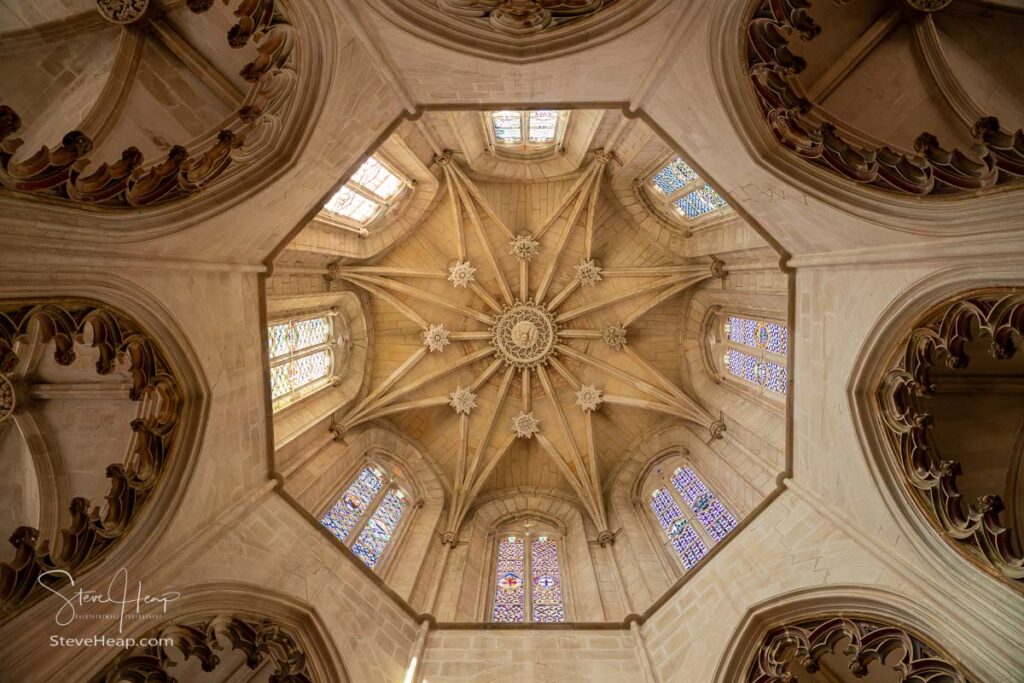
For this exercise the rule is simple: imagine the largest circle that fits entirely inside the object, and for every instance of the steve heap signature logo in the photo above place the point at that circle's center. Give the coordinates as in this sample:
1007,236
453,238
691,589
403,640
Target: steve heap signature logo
127,599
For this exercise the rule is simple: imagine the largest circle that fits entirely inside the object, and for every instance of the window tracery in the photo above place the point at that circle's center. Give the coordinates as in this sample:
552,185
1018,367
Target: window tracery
690,515
532,552
369,194
369,535
677,190
526,133
302,354
752,352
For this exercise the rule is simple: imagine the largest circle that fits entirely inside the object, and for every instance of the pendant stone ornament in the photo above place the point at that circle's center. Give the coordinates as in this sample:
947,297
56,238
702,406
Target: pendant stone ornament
524,247
614,336
122,11
461,274
462,400
588,273
589,398
436,337
524,335
525,425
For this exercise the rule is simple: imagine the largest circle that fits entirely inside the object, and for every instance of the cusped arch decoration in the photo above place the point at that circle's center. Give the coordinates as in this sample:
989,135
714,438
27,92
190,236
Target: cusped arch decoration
796,630
164,436
272,630
519,30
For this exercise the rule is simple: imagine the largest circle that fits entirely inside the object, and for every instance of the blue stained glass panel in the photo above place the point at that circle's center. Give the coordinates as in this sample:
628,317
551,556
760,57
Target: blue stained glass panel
346,513
699,202
665,509
764,372
711,514
674,176
510,591
757,334
547,581
688,545
379,529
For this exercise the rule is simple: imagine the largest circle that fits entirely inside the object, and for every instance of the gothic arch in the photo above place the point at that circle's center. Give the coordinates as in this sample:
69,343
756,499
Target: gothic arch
143,524
981,213
882,607
297,635
887,342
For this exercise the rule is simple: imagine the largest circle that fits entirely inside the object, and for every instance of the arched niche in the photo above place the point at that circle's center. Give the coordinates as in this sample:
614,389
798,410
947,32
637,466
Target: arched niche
469,581
229,629
901,387
121,330
844,630
317,480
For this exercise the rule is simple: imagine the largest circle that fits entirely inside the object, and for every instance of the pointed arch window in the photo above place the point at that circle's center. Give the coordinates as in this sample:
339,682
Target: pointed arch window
677,190
691,517
369,194
528,577
526,133
302,353
369,514
753,353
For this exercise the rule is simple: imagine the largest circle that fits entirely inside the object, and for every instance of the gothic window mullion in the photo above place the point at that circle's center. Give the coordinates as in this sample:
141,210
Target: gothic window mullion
528,580
371,508
688,513
684,190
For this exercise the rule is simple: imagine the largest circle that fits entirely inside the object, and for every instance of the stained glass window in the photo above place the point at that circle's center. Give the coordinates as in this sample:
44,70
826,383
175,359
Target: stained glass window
299,372
674,176
301,357
547,581
699,202
772,337
680,532
374,537
349,509
711,514
364,196
296,335
508,126
756,352
542,125
510,593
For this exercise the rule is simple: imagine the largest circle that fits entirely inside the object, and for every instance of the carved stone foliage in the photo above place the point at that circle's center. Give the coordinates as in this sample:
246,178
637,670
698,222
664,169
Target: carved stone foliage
127,182
263,643
798,647
996,156
518,17
974,526
94,530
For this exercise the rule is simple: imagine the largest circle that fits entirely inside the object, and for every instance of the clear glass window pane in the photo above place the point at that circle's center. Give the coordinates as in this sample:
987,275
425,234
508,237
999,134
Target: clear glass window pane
296,335
297,373
509,593
352,205
547,581
379,529
373,176
507,127
350,508
542,125
699,202
674,176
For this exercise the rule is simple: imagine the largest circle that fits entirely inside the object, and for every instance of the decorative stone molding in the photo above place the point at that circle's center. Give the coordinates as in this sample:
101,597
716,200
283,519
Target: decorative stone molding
461,274
606,538
8,402
589,398
871,643
450,539
339,431
525,425
976,527
524,335
260,641
122,11
462,400
807,130
717,429
614,336
588,273
524,247
435,337
249,137
132,483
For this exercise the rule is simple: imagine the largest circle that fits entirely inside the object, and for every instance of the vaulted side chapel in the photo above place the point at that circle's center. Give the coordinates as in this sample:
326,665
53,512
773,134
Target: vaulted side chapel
440,341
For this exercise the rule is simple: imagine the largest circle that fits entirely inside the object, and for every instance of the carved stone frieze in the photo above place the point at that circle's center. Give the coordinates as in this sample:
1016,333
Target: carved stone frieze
133,482
519,17
129,181
996,156
799,647
996,316
261,641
